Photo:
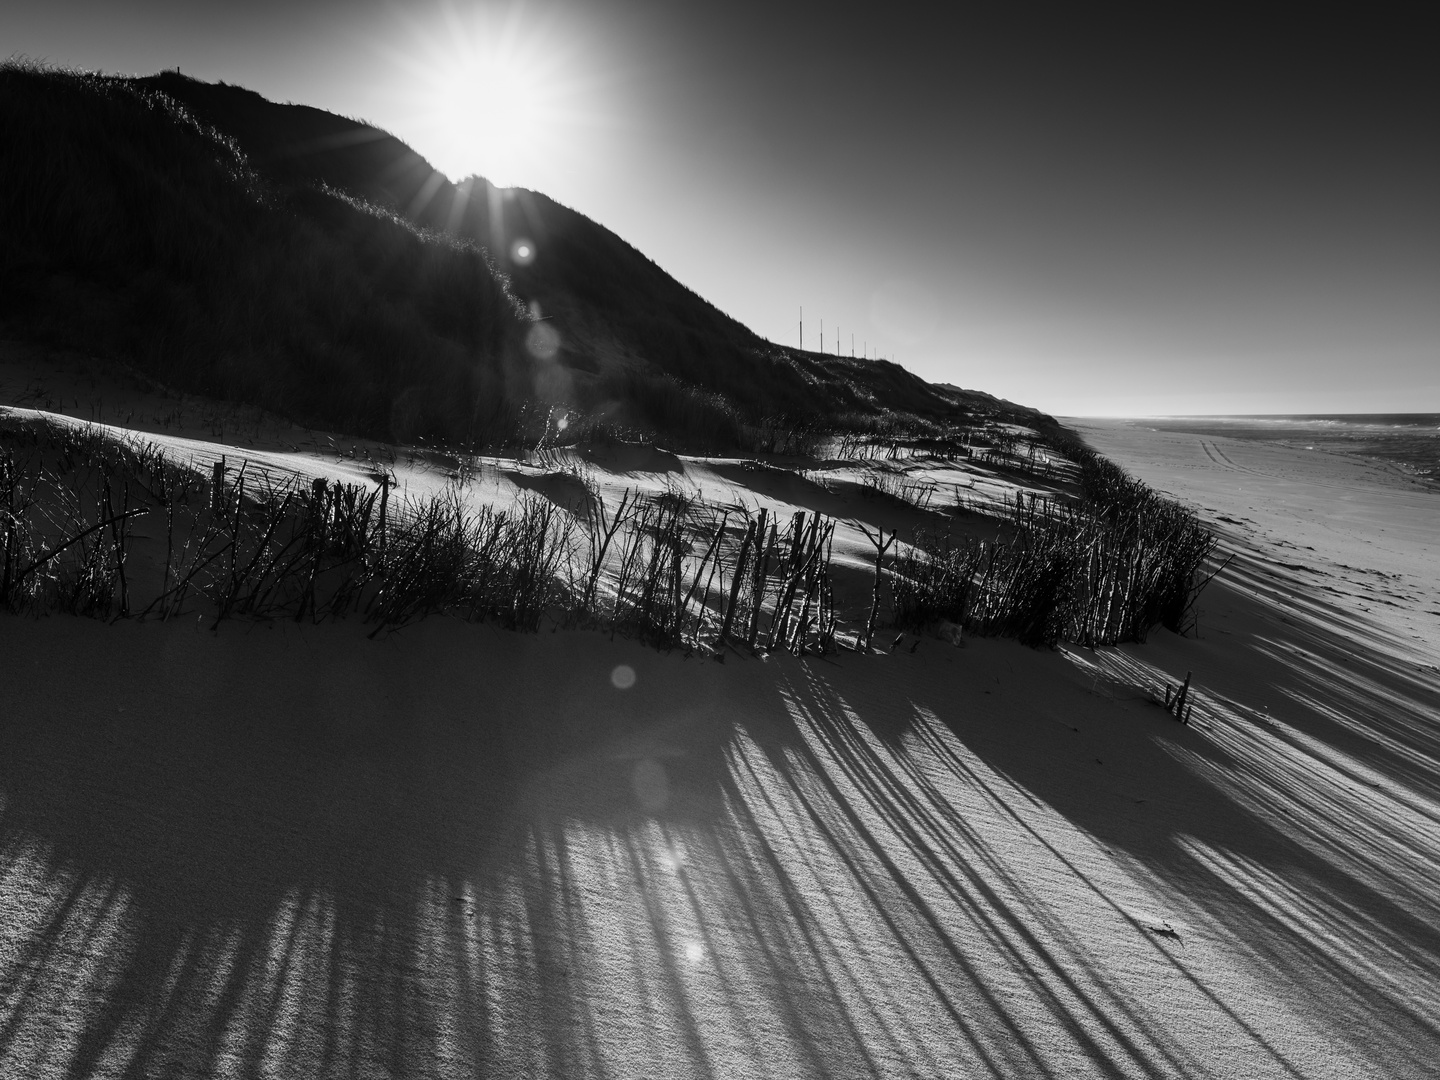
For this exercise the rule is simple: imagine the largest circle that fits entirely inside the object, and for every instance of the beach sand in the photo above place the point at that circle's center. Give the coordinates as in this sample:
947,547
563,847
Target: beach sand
455,851
1356,534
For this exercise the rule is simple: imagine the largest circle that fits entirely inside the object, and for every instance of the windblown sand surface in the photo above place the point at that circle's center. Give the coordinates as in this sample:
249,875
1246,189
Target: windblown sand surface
455,851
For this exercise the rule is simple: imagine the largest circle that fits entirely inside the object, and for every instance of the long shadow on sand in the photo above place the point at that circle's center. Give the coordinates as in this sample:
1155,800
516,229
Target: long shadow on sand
565,490
626,458
849,500
462,851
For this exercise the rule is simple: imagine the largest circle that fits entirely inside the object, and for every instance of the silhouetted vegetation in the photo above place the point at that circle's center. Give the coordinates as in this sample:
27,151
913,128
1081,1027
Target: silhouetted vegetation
283,256
1103,571
666,568
238,543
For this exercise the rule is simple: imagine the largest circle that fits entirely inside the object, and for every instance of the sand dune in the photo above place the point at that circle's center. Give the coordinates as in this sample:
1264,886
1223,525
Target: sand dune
281,851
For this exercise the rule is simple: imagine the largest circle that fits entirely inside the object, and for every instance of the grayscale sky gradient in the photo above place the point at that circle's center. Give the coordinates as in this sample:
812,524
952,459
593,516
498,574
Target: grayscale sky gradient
1202,212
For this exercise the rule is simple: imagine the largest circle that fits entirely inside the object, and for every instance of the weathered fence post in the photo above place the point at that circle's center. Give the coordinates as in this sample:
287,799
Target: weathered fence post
384,507
882,545
739,576
217,486
1175,702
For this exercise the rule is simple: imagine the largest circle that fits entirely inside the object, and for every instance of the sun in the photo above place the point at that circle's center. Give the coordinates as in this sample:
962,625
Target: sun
488,108
501,91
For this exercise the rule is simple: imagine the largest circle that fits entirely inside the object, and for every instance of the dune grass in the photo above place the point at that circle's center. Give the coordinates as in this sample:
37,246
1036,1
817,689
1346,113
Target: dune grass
1100,572
235,543
667,569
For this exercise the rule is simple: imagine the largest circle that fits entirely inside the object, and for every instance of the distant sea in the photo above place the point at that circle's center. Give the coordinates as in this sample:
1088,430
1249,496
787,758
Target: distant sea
1408,440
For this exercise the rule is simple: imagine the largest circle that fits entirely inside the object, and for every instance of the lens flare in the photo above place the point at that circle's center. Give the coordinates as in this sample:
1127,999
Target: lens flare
542,341
650,784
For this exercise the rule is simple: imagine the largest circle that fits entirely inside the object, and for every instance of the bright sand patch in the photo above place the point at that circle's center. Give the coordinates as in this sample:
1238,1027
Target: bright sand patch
287,851
1315,526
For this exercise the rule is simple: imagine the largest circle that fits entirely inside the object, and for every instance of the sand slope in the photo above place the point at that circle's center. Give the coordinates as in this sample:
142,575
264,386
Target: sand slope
281,851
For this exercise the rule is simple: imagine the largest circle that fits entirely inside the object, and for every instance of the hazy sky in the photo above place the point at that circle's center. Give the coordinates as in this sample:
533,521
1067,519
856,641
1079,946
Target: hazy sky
1195,213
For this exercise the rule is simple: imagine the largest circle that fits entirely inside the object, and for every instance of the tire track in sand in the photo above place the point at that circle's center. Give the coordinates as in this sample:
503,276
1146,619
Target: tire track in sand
1223,460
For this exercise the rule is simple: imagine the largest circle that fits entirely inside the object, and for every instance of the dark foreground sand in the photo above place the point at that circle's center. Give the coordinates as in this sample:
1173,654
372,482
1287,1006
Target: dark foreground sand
455,852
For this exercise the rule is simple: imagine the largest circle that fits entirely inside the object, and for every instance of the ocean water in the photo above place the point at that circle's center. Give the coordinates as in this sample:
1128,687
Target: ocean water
1410,441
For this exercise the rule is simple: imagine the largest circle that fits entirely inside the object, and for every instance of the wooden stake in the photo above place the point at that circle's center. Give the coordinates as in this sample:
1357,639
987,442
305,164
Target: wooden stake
217,486
736,580
764,547
881,546
384,505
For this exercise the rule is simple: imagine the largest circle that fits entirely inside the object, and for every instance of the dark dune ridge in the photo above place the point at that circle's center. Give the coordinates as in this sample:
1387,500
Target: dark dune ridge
284,256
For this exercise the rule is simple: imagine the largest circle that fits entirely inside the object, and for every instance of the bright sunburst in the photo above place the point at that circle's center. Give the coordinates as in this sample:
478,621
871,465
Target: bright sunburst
495,90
